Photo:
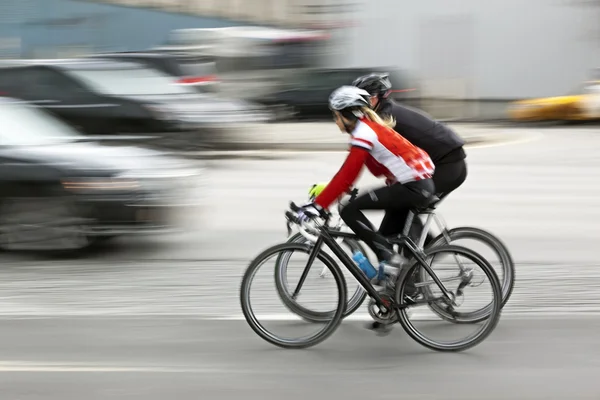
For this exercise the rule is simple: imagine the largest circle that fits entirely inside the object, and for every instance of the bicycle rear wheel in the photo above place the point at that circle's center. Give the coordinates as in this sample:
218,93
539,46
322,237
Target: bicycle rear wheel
506,270
356,299
330,325
408,298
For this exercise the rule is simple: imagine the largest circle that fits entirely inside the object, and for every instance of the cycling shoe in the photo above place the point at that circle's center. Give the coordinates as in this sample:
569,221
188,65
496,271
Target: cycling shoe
379,328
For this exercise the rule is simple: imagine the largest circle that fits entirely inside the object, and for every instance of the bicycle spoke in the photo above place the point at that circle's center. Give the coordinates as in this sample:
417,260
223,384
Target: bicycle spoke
447,307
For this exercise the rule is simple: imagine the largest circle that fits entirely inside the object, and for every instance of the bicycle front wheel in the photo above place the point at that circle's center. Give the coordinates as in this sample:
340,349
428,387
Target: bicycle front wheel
357,294
339,296
412,293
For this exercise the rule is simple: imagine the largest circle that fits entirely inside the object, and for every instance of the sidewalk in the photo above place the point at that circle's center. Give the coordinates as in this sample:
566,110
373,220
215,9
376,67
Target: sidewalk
324,136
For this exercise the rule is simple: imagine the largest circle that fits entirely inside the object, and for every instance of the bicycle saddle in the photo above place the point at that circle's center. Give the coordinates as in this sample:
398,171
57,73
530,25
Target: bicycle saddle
430,205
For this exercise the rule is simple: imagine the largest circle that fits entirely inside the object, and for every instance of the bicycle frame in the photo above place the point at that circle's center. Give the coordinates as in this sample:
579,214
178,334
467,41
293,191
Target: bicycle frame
431,218
327,236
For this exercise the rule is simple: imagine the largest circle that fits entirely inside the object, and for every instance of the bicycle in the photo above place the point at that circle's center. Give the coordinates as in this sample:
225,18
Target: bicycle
444,238
387,306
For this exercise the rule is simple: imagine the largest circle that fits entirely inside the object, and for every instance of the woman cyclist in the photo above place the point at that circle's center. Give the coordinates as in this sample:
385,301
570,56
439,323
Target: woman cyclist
442,144
374,144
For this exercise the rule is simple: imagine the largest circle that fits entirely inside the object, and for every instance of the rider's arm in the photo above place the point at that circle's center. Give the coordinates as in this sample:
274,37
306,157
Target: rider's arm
343,180
374,167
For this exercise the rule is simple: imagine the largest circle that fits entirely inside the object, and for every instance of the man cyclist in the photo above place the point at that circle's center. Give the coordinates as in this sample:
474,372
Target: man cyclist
442,144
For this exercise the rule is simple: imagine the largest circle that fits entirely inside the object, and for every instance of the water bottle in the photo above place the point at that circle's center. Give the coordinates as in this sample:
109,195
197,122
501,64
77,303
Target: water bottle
386,271
364,264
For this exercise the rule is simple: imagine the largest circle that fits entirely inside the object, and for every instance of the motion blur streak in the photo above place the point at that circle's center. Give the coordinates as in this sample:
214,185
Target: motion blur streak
149,149
147,310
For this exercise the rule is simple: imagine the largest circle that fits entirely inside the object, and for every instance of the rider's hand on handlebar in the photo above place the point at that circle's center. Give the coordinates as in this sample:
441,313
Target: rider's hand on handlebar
310,211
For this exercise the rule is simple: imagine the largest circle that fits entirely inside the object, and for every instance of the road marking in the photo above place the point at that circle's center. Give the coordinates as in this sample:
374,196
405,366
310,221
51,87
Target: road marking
358,316
529,137
42,366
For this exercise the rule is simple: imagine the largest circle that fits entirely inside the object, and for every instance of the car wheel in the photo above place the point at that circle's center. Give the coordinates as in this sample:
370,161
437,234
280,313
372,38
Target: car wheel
42,224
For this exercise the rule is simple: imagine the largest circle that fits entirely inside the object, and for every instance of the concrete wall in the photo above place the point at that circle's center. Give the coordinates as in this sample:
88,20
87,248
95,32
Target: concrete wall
492,49
44,28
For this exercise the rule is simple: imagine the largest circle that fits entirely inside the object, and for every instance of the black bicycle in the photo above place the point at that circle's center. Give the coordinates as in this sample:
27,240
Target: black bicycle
357,295
387,306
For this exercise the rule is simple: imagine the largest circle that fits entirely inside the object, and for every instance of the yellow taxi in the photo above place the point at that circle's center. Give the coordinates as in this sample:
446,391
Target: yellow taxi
583,106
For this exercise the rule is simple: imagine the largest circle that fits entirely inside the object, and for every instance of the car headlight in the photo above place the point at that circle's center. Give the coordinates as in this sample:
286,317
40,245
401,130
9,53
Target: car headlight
112,184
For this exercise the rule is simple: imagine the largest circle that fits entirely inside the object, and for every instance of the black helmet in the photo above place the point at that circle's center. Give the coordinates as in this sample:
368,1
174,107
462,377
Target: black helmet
377,84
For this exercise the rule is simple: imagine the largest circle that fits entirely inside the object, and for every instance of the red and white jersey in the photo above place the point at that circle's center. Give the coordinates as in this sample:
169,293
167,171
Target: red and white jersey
385,153
390,154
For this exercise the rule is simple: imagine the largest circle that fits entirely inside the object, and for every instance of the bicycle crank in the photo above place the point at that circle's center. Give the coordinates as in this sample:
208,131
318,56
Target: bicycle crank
390,315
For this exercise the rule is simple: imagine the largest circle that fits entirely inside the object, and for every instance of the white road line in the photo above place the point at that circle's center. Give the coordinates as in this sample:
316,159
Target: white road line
530,137
43,366
361,317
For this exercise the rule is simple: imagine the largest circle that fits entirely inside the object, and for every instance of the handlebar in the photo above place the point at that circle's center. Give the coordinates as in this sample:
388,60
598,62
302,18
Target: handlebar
294,207
310,232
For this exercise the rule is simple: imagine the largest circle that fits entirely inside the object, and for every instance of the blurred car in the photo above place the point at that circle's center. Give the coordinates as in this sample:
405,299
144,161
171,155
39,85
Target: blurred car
200,74
62,191
101,97
308,94
584,105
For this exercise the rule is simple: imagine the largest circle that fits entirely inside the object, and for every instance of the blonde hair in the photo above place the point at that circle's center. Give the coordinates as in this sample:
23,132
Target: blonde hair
371,115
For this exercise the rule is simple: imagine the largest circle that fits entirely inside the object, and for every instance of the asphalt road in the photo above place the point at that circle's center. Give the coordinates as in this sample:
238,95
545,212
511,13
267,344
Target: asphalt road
143,318
195,359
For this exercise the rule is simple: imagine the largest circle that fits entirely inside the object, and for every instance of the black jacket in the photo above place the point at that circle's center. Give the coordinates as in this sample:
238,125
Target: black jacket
439,141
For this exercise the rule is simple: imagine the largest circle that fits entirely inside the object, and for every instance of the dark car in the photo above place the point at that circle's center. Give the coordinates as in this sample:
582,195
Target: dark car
103,97
308,94
61,191
197,72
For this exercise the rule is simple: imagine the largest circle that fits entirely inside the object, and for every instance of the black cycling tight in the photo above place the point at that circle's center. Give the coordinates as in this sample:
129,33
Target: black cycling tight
396,199
447,178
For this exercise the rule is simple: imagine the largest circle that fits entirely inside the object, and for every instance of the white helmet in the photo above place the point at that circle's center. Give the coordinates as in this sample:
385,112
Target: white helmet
348,96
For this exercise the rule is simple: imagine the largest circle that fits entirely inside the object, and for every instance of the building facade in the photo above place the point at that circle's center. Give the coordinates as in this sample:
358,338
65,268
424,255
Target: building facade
476,49
493,50
285,13
55,28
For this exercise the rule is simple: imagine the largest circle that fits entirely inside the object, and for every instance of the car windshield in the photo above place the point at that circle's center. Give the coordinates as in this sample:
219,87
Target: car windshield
129,81
24,125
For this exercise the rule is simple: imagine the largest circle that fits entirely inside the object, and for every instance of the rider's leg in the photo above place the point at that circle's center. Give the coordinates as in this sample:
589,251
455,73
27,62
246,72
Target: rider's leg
395,197
394,221
447,178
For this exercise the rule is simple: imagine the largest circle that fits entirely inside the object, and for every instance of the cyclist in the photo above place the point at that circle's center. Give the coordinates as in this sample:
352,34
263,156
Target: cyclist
374,144
442,144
